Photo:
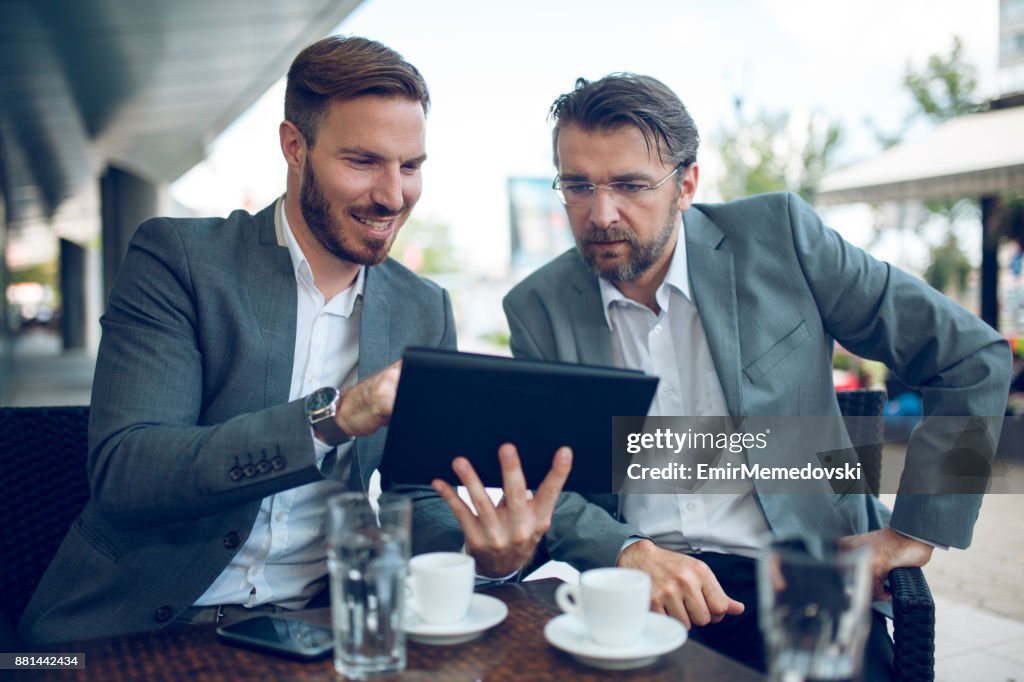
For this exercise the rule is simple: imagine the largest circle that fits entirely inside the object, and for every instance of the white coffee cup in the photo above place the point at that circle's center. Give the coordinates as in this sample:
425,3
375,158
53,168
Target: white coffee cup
612,603
441,586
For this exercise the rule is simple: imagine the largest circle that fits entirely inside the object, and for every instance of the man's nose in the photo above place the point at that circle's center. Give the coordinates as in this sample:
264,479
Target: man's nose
603,211
387,190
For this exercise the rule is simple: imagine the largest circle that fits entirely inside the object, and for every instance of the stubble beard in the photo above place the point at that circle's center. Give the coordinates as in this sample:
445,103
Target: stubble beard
641,254
328,230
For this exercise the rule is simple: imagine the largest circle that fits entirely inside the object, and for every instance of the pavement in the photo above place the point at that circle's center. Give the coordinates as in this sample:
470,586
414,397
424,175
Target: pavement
979,593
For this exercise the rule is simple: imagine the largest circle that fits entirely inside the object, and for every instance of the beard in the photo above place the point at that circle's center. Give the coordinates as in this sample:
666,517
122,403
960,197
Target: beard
328,230
640,256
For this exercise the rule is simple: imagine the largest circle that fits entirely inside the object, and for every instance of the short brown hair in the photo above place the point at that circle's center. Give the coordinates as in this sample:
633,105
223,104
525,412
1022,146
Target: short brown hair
342,68
621,99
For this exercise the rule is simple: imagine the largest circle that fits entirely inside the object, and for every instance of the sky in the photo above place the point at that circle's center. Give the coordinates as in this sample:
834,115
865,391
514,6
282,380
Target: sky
494,68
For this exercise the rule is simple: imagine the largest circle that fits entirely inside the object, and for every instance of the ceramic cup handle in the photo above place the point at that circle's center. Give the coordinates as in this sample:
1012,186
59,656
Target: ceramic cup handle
567,596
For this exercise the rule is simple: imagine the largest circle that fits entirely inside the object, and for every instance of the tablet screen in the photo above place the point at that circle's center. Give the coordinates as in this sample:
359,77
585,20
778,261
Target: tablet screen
451,404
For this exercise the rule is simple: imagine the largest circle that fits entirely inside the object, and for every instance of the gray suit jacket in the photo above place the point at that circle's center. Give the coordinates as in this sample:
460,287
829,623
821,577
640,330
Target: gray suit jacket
192,381
774,287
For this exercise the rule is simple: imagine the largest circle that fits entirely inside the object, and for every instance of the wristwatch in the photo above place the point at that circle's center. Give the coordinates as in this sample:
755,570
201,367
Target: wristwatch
321,406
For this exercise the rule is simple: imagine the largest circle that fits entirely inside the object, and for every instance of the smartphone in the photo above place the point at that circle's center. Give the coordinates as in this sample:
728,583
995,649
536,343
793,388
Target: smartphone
290,638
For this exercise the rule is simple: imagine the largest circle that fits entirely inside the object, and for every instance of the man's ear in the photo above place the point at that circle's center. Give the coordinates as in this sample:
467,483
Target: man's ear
293,146
689,189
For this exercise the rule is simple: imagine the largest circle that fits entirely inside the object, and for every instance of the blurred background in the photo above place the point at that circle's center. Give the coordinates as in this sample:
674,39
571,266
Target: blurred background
903,122
899,120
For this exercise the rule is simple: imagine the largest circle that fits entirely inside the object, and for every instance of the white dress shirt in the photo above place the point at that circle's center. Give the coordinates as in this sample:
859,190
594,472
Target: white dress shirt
283,561
672,346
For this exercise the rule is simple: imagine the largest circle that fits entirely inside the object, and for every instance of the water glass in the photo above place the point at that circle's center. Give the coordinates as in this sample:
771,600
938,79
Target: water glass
815,610
368,558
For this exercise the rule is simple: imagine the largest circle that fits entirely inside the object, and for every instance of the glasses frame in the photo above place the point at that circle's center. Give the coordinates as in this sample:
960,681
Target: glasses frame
613,187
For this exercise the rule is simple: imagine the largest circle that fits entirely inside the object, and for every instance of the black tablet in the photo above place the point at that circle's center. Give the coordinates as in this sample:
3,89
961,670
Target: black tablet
452,404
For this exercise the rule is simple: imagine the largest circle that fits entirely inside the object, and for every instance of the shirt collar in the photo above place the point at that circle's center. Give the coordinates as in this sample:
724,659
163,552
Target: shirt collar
344,302
678,276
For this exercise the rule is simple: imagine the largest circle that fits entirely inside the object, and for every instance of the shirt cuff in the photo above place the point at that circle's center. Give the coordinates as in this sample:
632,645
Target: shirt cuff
333,461
320,448
936,545
482,580
631,540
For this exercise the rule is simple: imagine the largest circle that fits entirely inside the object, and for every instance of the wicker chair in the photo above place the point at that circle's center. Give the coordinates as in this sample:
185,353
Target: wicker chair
912,605
43,477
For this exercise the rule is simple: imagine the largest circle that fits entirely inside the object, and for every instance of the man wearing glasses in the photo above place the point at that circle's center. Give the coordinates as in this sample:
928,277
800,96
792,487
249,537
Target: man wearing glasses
734,306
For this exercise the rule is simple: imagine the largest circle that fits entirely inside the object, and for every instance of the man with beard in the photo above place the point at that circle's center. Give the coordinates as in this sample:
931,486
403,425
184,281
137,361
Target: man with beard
247,368
734,306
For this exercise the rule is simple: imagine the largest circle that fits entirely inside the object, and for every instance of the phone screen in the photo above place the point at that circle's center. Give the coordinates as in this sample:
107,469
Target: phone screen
280,635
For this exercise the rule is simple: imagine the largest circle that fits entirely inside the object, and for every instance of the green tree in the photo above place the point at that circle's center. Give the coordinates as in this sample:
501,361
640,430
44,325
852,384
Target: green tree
946,87
949,267
766,155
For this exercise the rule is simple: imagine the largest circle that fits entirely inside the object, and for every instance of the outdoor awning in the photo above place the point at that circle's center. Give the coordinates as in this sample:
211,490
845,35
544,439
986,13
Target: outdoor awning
971,156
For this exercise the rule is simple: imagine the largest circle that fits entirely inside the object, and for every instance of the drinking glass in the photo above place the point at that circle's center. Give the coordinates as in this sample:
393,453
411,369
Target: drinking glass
815,610
368,558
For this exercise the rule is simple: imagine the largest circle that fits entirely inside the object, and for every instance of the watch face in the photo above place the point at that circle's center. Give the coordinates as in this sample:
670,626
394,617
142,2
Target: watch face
320,399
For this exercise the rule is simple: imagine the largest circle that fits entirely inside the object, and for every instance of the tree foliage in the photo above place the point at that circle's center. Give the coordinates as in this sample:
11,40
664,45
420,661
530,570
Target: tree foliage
946,87
770,154
949,267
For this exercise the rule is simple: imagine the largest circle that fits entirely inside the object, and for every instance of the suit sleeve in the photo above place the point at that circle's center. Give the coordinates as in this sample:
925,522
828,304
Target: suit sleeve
960,365
583,531
149,460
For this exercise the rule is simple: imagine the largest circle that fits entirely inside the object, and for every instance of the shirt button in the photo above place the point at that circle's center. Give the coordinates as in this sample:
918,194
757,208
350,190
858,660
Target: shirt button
279,517
690,506
657,329
667,390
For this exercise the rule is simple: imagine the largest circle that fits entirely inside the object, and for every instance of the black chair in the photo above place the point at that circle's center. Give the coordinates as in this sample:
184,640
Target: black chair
912,604
43,453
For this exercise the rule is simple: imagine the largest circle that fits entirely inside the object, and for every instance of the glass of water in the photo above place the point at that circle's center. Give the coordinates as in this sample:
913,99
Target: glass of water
368,556
814,610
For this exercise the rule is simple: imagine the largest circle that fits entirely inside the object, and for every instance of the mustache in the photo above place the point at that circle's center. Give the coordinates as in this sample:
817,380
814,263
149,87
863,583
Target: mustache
597,235
376,212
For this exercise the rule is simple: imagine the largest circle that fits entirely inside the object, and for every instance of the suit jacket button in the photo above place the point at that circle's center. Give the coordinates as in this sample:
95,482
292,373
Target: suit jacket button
278,462
231,540
263,467
163,614
250,470
236,473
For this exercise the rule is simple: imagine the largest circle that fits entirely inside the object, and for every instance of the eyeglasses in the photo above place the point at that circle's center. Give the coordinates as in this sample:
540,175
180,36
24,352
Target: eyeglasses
577,193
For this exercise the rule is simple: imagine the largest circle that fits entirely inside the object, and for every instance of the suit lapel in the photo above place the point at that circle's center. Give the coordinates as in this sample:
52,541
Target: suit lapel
713,283
593,338
375,350
375,353
272,290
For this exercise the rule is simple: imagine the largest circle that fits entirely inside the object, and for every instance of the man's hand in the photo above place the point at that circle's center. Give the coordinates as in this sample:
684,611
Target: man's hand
889,550
503,538
367,406
681,586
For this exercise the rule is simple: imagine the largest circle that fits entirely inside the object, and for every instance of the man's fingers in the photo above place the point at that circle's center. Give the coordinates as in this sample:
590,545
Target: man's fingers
463,514
513,482
697,608
551,487
720,604
673,606
467,474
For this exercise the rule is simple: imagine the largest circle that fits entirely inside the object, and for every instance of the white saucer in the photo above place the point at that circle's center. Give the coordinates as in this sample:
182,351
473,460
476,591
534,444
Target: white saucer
484,612
661,635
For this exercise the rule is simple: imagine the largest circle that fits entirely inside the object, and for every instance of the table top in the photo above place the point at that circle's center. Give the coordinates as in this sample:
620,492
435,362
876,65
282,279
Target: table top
513,651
